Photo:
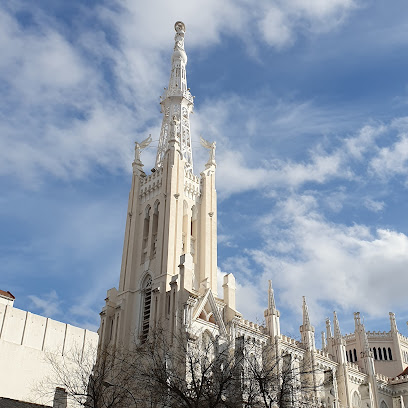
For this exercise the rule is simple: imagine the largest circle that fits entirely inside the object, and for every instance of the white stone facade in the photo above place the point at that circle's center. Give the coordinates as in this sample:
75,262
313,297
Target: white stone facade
169,275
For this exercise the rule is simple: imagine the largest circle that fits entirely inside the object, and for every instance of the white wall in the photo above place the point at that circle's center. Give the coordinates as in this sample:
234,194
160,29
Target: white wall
24,340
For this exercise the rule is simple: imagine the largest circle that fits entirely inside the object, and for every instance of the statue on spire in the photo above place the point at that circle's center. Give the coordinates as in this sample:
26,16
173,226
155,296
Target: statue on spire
179,37
211,147
139,147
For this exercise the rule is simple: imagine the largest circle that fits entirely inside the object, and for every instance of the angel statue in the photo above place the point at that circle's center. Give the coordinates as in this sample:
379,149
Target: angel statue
141,146
211,148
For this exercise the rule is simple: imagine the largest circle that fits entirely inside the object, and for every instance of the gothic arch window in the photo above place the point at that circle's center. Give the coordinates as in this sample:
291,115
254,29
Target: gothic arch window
383,404
350,356
146,307
155,227
389,353
356,400
145,238
375,353
355,354
380,357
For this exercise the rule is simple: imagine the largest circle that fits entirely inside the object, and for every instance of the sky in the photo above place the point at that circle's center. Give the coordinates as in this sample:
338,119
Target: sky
307,101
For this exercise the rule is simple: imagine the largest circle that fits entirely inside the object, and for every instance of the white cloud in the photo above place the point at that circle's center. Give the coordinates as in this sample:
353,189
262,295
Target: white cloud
392,160
283,20
276,29
347,266
373,205
48,305
62,117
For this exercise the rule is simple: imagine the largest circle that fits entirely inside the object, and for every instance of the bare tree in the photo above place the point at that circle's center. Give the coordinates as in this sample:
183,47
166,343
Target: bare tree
273,378
187,371
107,382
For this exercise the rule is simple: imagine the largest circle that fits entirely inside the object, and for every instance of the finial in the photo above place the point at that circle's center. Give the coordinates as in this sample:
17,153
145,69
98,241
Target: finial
306,319
337,332
271,297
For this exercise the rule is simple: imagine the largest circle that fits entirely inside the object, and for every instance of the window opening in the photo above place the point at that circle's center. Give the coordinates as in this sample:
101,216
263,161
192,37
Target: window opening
147,300
155,229
146,224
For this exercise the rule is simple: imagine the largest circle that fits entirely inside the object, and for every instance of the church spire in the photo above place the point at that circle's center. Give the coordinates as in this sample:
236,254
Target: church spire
176,104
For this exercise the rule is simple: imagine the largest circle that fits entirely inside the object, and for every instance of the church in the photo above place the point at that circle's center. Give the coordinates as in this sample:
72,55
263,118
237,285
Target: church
169,275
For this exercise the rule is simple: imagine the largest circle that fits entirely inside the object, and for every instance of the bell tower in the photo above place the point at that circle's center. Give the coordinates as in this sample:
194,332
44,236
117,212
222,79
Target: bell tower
171,215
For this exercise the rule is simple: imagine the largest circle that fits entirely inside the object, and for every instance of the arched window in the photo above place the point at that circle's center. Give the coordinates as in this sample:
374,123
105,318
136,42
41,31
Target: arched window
375,353
385,353
350,356
155,226
147,301
355,355
145,238
356,400
389,353
380,353
383,404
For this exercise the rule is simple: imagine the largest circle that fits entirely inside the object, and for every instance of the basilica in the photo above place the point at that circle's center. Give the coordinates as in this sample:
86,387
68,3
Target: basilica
169,275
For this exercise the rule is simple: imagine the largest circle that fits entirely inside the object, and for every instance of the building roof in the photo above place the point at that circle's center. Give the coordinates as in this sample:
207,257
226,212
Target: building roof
11,403
405,372
7,294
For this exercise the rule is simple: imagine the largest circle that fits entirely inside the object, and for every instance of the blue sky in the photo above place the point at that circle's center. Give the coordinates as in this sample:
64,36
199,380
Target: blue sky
307,100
